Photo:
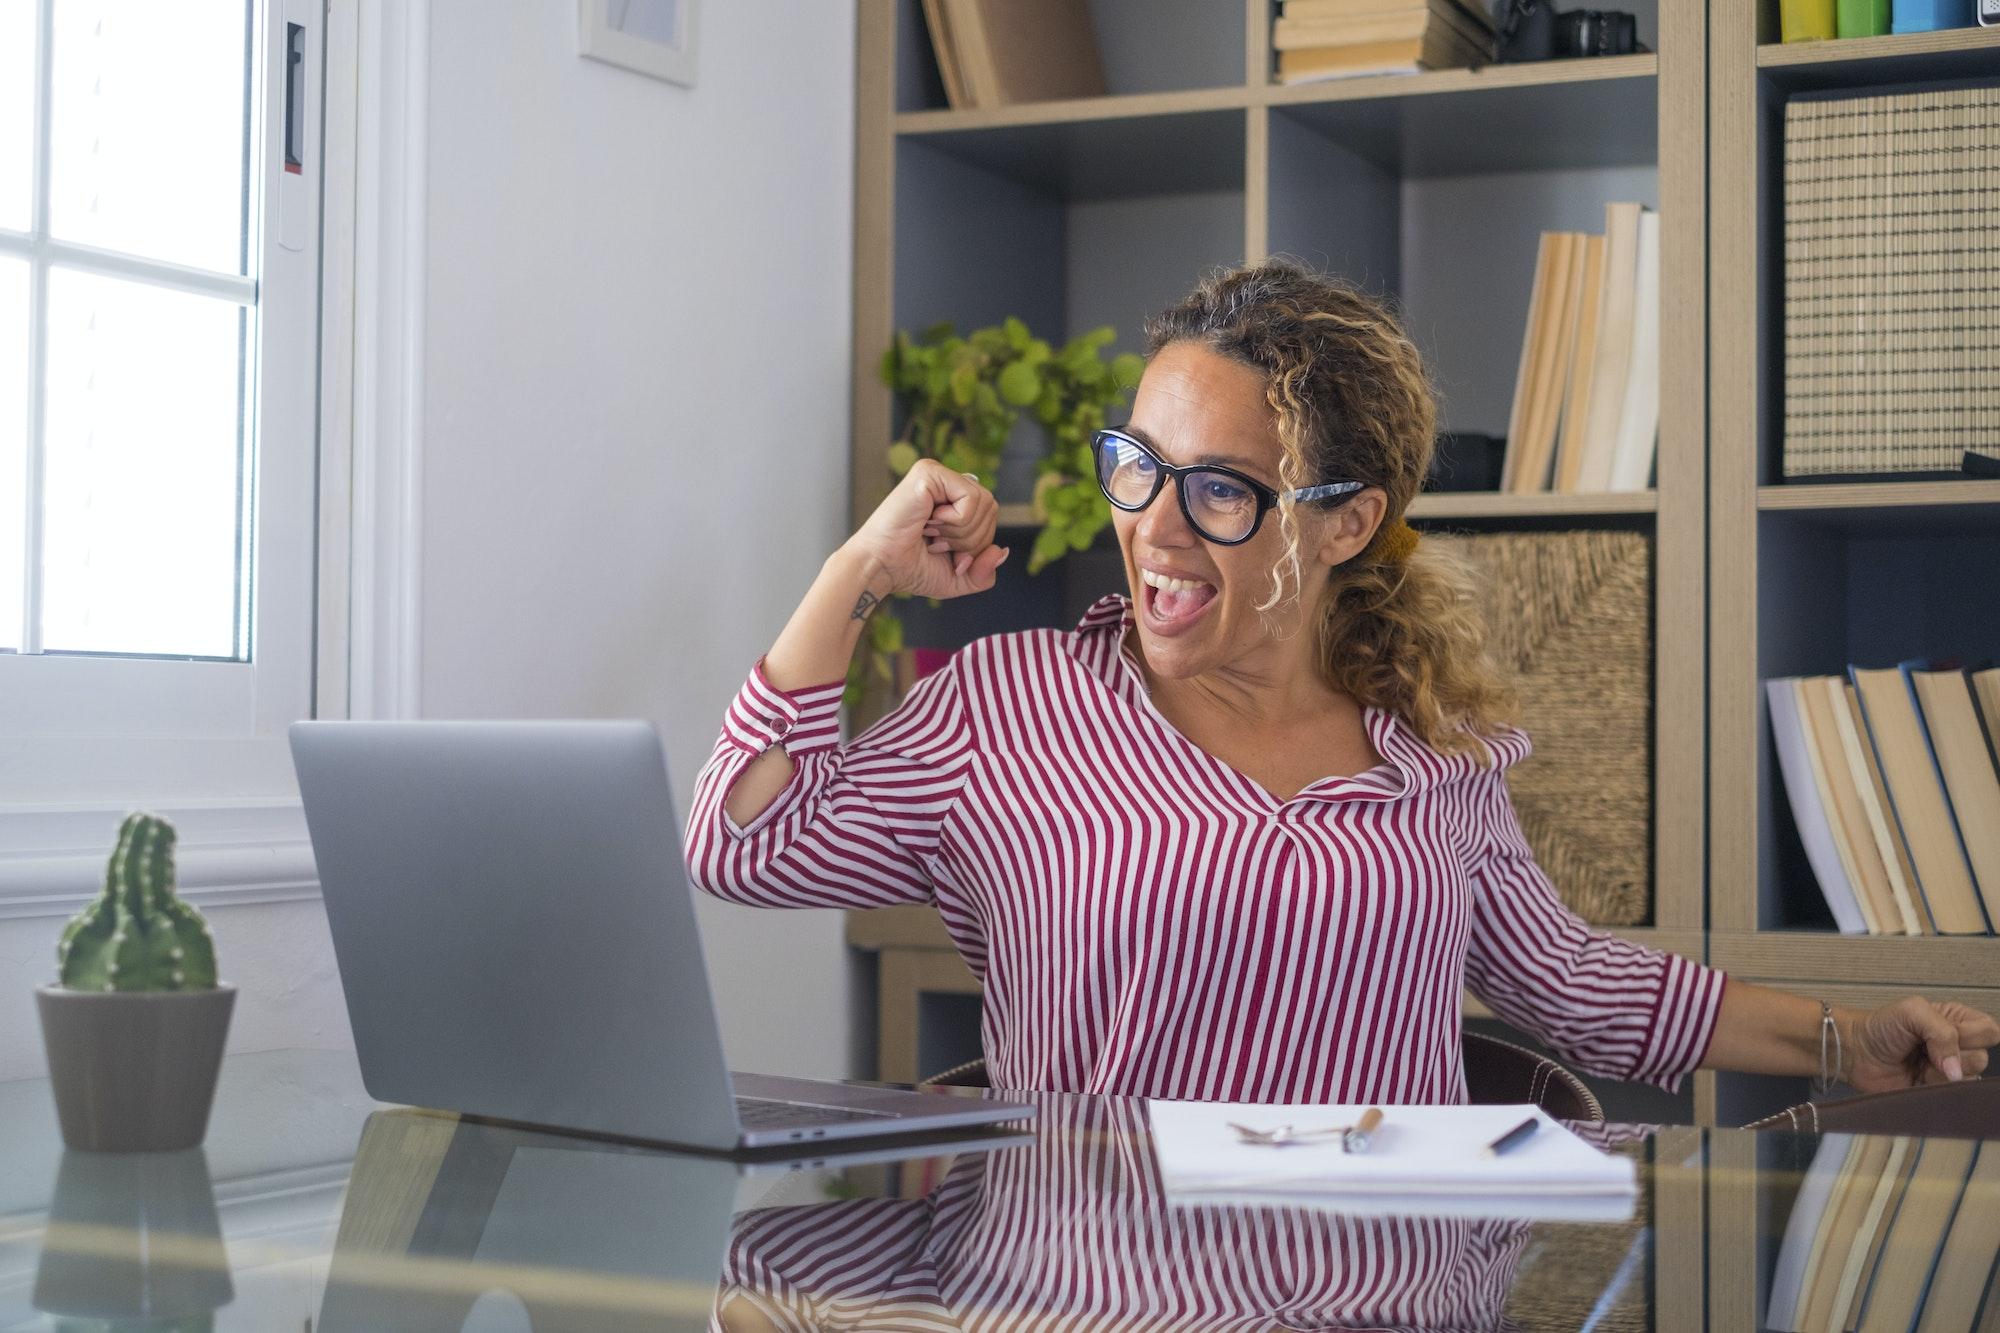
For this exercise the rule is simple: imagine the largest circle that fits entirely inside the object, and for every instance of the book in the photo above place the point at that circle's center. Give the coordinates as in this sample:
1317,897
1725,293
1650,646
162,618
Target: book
1902,1275
1986,692
1289,34
1614,345
1538,433
1566,343
1917,797
1576,405
1440,47
1013,51
1841,798
947,56
1805,1236
1881,1191
1972,1246
1636,440
1294,32
1897,1188
1529,366
1953,730
1474,12
1801,789
1852,1215
1889,846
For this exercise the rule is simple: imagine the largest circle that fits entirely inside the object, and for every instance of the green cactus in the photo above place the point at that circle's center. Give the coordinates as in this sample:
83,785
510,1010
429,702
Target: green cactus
138,935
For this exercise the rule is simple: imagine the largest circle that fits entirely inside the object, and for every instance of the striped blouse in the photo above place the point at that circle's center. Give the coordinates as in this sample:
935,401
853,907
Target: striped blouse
1145,919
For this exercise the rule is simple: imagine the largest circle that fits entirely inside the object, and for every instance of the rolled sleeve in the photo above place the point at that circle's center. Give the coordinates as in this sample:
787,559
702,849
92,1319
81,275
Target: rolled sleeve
803,721
855,824
1616,1008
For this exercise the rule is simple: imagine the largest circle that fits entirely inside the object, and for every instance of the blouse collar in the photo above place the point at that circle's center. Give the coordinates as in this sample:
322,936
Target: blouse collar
1408,764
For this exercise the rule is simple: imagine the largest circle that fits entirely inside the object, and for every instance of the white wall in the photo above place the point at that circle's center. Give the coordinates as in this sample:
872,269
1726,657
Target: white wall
635,443
636,435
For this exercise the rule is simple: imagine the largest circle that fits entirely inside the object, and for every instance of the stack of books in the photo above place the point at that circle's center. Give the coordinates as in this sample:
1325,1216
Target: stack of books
1337,39
1895,788
997,52
1875,1220
1586,413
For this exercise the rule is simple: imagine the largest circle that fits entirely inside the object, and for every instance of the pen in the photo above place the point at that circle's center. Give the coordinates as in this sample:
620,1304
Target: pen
1513,1138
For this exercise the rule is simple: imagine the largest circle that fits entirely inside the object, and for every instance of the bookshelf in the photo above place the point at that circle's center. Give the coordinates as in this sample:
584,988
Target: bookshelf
1806,578
1431,188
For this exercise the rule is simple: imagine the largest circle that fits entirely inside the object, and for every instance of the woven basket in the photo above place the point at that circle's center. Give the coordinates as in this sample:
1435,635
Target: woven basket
1570,615
1892,282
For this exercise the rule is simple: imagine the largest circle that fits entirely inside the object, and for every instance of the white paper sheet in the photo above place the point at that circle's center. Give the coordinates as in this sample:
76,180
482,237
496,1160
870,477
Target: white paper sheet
1423,1160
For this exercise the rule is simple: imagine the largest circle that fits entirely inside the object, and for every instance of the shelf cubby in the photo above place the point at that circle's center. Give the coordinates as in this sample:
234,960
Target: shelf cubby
1147,46
1862,62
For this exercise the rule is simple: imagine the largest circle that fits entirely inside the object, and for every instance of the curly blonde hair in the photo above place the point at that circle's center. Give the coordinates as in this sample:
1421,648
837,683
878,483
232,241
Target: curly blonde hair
1398,626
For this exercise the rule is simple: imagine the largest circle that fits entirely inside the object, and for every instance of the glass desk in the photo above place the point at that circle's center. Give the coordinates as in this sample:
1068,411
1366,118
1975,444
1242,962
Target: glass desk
312,1208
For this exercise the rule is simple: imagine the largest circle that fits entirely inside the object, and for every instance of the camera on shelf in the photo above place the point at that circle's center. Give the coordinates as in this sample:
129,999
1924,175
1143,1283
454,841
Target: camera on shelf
1533,30
1596,32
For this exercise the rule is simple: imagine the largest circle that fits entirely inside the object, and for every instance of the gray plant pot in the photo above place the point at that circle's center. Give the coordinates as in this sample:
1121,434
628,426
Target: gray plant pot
134,1071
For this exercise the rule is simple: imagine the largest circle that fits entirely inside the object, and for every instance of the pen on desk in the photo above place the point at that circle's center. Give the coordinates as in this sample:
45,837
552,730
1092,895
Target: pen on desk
1513,1138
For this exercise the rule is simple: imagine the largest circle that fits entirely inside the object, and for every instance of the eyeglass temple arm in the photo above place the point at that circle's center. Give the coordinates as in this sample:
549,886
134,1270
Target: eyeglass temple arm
1328,491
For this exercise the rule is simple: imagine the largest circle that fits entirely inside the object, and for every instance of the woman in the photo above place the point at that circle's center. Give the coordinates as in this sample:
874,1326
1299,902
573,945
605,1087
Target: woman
1245,835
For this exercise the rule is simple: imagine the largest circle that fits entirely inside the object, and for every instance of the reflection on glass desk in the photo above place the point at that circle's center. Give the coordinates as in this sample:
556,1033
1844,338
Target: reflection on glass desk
312,1208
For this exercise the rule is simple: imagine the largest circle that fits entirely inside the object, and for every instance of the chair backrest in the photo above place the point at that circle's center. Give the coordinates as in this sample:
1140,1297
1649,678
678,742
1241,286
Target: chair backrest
1967,1110
1499,1072
1496,1073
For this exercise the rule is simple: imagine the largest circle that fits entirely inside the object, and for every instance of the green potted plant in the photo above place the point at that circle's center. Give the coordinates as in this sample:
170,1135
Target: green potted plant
961,398
134,1026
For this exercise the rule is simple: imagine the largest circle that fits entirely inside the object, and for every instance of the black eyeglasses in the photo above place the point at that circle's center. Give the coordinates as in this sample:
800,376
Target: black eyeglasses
1220,503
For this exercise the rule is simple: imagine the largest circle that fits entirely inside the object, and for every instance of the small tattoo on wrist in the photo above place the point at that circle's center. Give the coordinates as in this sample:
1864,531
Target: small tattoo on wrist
867,602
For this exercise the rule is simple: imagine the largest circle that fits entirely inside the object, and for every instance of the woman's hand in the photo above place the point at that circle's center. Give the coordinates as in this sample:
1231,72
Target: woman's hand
933,535
1915,1041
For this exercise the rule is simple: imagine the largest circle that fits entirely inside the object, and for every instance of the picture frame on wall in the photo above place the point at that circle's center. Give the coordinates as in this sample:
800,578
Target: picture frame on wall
655,37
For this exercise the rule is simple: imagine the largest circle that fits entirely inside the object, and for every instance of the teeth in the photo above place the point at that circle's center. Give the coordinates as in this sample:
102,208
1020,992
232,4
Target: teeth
1165,584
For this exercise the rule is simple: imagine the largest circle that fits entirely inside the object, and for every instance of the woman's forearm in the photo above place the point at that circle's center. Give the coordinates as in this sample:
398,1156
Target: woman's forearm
1765,1031
814,648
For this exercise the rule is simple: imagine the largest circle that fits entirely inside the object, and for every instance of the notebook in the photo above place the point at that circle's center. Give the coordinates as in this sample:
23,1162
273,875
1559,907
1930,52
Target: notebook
1423,1161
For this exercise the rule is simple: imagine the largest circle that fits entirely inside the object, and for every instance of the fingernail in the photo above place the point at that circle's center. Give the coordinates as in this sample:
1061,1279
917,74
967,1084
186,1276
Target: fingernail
1953,1070
1005,551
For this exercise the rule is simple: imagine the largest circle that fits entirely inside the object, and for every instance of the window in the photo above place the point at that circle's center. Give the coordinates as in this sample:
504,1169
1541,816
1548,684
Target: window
159,233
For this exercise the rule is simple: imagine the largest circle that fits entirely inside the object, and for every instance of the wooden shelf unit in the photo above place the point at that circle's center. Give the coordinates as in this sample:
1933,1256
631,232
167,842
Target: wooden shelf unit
1805,578
973,214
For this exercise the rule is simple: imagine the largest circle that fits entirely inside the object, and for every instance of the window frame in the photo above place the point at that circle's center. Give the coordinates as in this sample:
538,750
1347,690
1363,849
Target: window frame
91,728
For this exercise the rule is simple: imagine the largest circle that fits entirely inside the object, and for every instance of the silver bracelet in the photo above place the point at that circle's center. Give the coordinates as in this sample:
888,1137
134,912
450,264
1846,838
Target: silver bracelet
1828,1029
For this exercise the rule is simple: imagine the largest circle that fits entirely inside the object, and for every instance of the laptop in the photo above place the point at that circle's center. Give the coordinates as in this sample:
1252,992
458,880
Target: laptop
517,941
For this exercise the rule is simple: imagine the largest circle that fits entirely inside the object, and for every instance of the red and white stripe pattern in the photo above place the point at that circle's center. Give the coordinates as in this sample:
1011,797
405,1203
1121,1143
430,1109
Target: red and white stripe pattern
1076,1232
1147,920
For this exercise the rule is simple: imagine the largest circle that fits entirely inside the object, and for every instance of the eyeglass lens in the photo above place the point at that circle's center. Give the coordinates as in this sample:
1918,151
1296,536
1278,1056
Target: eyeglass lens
1222,508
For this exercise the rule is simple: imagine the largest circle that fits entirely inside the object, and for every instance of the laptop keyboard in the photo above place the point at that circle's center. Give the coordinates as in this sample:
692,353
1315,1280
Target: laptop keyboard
763,1113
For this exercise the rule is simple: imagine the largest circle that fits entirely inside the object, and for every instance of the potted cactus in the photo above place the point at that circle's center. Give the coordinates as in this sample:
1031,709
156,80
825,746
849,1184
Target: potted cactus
134,1028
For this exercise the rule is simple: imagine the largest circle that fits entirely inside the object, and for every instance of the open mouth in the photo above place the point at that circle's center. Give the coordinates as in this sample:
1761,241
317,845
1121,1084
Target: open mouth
1173,603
